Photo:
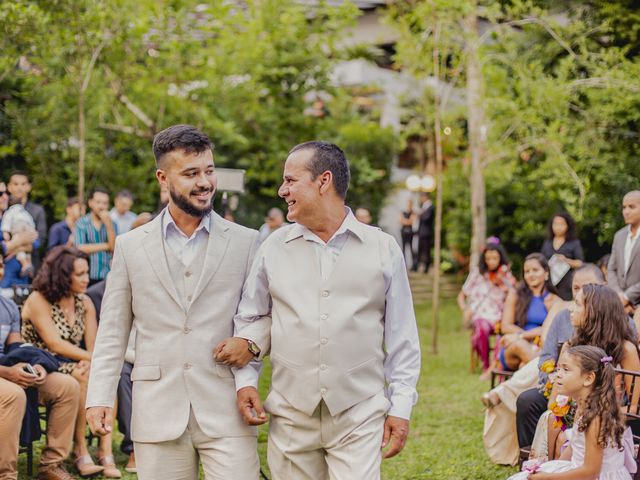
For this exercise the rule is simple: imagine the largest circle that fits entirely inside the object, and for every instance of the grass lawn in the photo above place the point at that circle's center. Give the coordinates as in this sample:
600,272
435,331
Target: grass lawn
446,429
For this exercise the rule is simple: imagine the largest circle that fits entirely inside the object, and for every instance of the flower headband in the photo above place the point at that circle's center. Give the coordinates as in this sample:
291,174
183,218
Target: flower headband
605,360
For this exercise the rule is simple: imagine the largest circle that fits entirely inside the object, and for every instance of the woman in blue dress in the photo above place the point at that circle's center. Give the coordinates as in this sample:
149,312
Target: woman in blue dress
525,311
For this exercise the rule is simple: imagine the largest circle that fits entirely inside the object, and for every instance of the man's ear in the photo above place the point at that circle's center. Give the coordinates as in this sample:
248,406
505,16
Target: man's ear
325,180
161,175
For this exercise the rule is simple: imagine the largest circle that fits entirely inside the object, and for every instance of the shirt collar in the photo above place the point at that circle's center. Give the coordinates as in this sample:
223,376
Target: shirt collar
631,237
349,224
167,220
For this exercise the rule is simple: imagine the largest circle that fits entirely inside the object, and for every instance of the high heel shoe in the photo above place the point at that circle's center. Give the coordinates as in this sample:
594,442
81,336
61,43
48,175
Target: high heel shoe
110,469
85,466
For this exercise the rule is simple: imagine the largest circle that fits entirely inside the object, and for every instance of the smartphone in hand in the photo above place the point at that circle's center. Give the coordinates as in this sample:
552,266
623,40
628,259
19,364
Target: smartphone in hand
29,369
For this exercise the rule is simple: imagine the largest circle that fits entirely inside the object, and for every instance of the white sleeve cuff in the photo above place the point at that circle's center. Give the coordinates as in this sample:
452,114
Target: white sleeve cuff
401,406
246,377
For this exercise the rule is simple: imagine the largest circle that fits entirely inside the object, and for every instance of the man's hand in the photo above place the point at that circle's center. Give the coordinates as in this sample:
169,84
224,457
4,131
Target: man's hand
19,376
105,217
250,407
508,339
99,420
396,430
42,374
25,238
233,351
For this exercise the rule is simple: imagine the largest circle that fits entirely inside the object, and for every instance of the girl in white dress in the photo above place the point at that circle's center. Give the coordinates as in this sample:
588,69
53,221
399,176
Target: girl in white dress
596,451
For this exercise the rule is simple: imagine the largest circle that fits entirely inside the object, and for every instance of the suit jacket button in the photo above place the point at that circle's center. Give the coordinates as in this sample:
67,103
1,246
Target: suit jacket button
186,366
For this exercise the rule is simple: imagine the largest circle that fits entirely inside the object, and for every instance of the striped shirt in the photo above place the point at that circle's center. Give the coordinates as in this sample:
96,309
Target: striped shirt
87,233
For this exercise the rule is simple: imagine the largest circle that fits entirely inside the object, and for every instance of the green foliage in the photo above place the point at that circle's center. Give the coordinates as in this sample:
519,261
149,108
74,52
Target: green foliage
245,75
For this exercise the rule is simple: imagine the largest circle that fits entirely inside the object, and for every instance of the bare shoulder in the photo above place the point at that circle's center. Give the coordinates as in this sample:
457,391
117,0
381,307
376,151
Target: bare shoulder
86,301
630,348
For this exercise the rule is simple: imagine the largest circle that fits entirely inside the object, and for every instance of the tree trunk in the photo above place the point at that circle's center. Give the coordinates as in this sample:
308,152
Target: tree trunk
435,304
477,133
81,146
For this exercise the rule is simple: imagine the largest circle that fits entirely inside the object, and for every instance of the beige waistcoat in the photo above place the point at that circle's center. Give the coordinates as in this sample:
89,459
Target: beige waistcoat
326,336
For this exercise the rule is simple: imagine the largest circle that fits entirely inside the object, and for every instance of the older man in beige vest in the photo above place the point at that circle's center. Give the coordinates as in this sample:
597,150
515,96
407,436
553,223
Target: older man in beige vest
344,342
178,280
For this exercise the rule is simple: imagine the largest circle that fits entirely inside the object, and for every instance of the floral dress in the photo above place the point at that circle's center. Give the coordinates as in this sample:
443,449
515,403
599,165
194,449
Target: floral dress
71,333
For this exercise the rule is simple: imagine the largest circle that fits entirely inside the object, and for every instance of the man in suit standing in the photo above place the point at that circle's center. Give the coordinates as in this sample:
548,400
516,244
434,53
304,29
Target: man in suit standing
344,343
178,280
425,232
624,263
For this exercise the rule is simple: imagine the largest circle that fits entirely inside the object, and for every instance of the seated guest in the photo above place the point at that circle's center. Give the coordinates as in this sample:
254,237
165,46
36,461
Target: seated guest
125,386
597,319
482,298
500,436
59,392
58,317
525,310
624,263
61,233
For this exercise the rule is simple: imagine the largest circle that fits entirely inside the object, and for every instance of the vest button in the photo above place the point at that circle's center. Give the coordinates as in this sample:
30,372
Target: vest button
186,329
323,341
187,274
323,367
324,316
189,297
323,391
325,293
186,366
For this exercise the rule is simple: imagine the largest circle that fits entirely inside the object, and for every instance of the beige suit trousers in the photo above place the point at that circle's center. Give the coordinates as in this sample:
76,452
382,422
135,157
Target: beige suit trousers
345,446
222,458
61,394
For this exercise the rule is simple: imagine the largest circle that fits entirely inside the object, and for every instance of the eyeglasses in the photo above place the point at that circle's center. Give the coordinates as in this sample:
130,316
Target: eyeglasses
3,192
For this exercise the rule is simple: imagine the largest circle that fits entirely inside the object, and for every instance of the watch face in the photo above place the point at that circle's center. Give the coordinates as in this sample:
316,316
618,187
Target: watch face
253,348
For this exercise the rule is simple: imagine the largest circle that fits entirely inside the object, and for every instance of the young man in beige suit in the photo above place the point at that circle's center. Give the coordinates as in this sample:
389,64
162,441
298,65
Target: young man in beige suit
178,279
344,342
623,271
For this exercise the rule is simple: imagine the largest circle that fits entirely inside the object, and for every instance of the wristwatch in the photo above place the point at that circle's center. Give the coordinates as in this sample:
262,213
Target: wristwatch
253,347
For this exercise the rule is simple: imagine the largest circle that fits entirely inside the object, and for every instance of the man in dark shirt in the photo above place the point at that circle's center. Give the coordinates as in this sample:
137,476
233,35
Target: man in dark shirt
19,186
59,391
61,233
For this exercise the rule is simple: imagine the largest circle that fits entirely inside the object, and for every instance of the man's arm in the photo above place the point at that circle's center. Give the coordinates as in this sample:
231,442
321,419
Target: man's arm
113,334
402,362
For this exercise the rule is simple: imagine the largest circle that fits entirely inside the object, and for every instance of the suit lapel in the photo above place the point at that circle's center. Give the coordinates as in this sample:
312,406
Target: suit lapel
634,252
154,248
216,248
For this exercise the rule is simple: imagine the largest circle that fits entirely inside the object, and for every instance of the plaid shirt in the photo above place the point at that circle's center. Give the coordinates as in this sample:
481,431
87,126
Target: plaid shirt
87,233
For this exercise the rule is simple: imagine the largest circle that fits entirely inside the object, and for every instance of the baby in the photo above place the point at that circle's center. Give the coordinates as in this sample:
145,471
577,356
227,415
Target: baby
14,221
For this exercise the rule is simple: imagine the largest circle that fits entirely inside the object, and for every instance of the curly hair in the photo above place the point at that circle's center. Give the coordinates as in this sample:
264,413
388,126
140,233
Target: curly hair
524,292
54,277
602,401
606,325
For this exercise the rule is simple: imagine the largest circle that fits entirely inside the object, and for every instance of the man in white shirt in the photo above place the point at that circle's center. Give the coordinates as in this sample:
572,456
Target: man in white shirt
121,213
344,342
624,263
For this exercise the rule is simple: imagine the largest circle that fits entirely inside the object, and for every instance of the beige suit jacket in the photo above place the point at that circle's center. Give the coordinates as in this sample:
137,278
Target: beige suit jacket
174,370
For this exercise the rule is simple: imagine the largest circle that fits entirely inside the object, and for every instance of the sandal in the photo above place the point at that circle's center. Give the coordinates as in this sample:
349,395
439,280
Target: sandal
86,467
490,399
131,465
110,469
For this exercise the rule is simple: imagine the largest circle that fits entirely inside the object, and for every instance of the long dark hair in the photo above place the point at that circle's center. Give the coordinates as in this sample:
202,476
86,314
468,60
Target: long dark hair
571,226
602,401
496,247
606,325
524,292
54,277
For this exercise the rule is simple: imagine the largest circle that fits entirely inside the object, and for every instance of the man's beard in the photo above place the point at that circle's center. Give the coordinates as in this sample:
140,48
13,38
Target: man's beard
187,207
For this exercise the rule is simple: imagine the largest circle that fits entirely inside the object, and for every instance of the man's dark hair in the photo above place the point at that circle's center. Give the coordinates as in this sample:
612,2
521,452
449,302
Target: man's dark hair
72,201
179,137
124,194
20,173
97,190
328,156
